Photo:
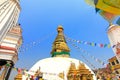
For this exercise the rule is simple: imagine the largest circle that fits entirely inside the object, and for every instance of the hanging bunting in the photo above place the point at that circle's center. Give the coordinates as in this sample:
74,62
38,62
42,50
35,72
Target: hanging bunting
92,44
101,45
23,72
108,46
25,47
105,45
88,62
93,57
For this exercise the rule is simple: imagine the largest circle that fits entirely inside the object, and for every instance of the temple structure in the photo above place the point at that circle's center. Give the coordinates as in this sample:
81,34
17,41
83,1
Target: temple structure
114,38
115,65
9,14
9,51
60,66
10,36
80,73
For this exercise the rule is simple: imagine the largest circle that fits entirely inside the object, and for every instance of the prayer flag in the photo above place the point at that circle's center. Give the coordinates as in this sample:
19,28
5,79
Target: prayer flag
101,45
109,46
105,45
92,44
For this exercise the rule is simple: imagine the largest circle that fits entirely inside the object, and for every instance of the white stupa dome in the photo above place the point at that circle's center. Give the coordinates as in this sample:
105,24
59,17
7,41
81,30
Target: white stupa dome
52,67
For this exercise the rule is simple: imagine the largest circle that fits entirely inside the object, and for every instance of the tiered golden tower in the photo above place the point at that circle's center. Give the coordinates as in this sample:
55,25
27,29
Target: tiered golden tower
10,36
80,73
60,47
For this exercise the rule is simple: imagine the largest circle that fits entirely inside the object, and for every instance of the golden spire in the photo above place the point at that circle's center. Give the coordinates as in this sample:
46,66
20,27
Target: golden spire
60,47
18,77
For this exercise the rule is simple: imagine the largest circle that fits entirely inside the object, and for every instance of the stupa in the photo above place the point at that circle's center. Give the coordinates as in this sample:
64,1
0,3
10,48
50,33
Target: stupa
60,66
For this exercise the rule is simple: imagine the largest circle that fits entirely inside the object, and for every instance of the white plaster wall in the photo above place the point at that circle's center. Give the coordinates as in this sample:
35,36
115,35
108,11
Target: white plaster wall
8,16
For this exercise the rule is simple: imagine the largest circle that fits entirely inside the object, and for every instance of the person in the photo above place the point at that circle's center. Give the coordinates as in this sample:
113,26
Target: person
119,78
114,77
37,78
108,77
103,77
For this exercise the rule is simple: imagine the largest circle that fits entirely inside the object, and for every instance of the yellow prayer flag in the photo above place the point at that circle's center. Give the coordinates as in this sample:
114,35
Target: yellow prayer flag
92,44
109,6
109,46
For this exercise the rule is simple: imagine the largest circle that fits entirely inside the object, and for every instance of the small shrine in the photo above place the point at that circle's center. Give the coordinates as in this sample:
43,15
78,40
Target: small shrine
80,73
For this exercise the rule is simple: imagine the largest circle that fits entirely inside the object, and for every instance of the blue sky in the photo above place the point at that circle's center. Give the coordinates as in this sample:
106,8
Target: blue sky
39,19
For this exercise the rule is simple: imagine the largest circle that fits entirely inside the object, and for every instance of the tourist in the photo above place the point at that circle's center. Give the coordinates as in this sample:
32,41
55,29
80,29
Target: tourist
114,77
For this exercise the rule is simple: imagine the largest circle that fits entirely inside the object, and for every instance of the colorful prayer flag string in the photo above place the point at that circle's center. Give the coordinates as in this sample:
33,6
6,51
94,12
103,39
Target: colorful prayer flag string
101,45
93,57
88,62
24,48
21,70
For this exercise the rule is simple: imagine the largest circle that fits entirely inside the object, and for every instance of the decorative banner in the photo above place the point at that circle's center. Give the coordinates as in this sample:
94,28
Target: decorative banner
89,62
101,45
23,71
93,57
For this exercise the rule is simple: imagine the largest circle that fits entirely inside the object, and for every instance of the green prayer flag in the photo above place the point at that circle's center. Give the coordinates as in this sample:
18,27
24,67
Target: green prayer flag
92,44
105,45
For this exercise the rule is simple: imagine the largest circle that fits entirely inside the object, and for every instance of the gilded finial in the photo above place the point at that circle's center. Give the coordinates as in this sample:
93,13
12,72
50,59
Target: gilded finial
60,28
60,47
